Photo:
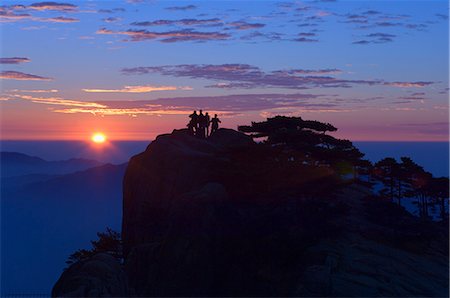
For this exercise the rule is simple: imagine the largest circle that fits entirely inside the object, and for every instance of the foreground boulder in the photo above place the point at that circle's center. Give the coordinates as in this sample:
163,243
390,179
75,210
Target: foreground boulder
100,276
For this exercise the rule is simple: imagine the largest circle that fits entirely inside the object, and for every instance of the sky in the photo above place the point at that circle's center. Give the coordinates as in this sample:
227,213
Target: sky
133,69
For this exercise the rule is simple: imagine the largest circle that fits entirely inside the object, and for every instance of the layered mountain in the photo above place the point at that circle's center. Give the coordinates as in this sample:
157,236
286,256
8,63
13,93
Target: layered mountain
45,218
17,164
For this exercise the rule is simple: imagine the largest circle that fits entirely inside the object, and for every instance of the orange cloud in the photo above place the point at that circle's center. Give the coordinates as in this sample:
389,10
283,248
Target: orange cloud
138,89
60,101
122,111
134,112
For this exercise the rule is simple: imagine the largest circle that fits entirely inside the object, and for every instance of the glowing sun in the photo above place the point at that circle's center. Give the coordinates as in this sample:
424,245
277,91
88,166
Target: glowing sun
98,138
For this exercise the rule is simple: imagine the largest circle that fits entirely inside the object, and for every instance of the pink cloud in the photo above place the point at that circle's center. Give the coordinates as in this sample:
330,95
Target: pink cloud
168,36
53,6
17,75
249,76
138,89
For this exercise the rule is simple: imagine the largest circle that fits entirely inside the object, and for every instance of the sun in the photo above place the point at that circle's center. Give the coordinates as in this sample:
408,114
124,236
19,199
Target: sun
98,138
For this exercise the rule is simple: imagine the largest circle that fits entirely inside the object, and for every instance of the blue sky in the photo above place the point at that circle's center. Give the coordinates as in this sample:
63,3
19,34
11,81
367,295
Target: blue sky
378,70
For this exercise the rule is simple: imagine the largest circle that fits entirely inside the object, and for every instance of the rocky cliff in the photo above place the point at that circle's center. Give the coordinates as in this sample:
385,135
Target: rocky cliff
190,229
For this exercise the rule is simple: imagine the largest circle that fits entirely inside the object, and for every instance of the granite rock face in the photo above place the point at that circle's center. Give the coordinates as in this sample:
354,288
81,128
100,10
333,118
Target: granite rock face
100,276
155,180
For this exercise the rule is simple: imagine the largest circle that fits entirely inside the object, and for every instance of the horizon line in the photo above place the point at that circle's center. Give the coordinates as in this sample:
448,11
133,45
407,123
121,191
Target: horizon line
150,140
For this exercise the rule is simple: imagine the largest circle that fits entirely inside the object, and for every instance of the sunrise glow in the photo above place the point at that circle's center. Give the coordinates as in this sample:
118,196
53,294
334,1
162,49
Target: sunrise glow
98,138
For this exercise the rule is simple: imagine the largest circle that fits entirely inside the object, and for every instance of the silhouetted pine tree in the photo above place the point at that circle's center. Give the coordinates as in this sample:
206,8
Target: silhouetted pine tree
438,190
387,171
108,242
308,137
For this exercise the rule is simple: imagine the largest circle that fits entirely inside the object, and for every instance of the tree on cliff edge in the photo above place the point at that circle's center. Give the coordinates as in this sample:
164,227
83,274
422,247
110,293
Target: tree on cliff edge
108,242
308,137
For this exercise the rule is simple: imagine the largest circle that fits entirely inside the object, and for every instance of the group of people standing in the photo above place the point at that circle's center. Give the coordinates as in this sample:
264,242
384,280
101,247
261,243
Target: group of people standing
200,123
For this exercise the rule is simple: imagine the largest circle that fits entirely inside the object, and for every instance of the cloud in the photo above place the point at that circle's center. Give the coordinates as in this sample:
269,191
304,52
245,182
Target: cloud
227,76
59,101
17,75
376,38
304,39
362,42
224,105
11,16
168,36
53,6
304,8
119,9
419,27
307,34
411,99
86,37
242,25
356,17
372,12
257,34
35,91
111,19
307,25
185,22
231,85
182,8
388,24
138,89
373,19
14,60
58,20
442,16
248,76
230,104
381,35
408,84
309,71
33,28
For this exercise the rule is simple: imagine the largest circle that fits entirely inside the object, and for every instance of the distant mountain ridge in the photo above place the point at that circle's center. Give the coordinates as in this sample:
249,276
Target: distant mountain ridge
19,164
54,214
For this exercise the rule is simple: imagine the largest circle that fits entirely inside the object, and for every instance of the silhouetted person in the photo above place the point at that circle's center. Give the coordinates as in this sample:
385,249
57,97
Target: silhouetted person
208,122
193,123
215,124
201,125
